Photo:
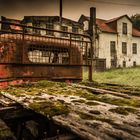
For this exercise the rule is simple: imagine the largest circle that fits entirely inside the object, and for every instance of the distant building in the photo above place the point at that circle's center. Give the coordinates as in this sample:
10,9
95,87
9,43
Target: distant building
117,42
53,22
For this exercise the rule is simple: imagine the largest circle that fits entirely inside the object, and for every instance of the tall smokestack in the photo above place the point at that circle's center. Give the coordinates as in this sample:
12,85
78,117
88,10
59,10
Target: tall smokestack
92,21
61,11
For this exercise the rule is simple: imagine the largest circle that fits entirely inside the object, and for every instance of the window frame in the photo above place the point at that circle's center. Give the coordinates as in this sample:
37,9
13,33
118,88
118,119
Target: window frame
124,28
112,48
134,48
124,48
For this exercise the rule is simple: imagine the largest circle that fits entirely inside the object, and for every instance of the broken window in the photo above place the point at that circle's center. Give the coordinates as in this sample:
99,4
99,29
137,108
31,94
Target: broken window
64,29
50,26
124,28
112,48
124,47
48,55
134,48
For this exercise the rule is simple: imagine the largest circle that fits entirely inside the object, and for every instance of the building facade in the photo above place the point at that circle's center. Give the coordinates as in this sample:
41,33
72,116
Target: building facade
117,42
53,23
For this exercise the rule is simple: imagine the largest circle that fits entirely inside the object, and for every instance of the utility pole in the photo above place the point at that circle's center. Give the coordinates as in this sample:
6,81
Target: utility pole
92,26
61,11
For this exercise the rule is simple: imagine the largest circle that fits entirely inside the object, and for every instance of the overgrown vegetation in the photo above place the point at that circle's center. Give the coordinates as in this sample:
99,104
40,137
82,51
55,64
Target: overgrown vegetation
125,76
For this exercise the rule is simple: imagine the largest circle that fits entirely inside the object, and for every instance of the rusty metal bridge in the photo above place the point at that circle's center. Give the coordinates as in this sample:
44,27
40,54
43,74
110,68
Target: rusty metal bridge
25,54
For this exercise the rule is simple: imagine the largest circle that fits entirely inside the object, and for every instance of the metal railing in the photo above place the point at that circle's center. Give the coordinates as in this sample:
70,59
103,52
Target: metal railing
21,44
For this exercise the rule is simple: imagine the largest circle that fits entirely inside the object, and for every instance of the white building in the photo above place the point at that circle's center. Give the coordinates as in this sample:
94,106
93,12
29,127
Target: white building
117,42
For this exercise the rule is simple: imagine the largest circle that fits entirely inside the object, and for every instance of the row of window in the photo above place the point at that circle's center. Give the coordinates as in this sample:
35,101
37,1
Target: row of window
124,48
134,64
51,27
114,63
124,28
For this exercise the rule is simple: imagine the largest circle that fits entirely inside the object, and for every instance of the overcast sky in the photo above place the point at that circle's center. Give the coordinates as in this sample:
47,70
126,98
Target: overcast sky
72,9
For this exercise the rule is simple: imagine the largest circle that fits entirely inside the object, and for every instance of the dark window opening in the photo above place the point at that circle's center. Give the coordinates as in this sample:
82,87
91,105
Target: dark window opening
124,64
64,29
75,29
50,26
124,28
134,64
134,48
112,48
124,47
48,55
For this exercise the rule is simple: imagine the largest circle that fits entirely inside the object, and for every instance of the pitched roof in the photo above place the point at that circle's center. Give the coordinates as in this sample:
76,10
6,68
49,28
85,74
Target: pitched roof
135,32
105,25
117,18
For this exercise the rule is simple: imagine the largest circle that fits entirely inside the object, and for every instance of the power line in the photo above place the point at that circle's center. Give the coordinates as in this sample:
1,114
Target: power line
113,3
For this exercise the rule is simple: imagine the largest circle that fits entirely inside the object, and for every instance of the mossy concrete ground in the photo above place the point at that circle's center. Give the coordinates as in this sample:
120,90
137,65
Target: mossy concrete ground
67,104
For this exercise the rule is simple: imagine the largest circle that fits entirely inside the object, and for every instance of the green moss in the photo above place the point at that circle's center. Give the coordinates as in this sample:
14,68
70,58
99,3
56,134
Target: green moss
45,83
112,100
57,88
63,85
123,111
122,102
89,96
50,108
